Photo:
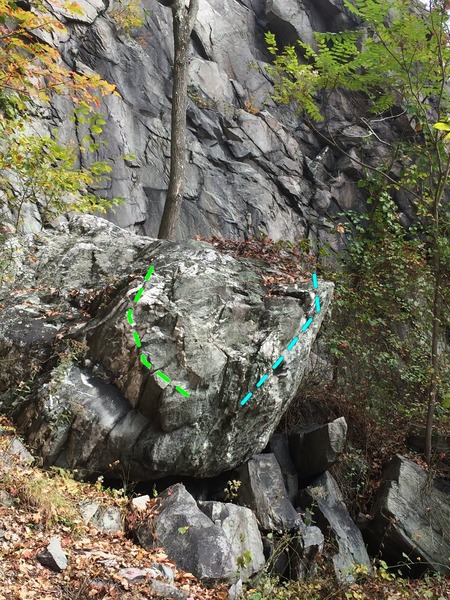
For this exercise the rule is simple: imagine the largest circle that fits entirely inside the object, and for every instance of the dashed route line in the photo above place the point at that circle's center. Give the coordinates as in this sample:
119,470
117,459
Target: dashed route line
261,381
137,339
291,344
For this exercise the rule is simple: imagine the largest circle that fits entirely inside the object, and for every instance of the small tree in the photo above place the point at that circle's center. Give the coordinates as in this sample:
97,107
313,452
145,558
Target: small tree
400,57
37,168
183,17
127,15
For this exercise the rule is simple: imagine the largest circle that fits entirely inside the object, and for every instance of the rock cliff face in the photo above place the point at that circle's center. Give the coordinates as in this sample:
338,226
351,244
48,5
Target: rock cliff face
253,167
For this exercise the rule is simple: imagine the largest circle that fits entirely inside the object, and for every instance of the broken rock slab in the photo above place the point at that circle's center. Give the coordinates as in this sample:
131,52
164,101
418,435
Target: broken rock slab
241,528
134,574
325,503
263,491
12,450
294,557
305,563
411,515
164,590
161,589
189,537
140,502
105,518
315,448
279,446
53,557
6,499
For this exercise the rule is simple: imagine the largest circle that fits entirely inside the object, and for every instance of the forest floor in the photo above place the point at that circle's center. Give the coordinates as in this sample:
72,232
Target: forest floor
45,504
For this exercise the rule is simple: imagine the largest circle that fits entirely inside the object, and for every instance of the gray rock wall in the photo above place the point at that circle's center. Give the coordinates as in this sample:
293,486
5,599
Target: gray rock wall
252,167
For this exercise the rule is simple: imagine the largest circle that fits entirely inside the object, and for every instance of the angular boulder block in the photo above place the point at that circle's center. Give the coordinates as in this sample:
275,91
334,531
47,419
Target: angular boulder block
241,528
189,537
280,448
325,503
315,449
264,492
411,515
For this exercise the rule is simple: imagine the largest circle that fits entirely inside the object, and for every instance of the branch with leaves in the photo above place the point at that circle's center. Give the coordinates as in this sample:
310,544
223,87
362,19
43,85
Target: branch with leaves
34,168
398,60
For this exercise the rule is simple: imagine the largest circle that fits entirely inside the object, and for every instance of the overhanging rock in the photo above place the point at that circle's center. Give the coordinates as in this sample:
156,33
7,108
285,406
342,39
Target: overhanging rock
204,320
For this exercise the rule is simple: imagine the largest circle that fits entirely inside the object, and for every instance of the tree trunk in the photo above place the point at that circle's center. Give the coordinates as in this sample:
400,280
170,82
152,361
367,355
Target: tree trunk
183,22
437,306
437,310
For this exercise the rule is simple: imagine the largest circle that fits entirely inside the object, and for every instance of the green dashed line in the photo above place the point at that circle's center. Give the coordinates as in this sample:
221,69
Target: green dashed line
149,273
137,339
145,362
180,389
139,294
161,374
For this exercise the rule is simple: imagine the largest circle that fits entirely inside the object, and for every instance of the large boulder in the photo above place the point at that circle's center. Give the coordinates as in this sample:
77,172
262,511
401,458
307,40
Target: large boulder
325,502
206,330
411,515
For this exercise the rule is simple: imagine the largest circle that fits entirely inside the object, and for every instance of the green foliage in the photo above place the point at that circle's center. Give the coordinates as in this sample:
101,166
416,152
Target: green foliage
392,59
443,127
390,317
31,69
40,169
231,490
34,168
244,559
381,328
183,530
352,474
293,80
127,15
384,583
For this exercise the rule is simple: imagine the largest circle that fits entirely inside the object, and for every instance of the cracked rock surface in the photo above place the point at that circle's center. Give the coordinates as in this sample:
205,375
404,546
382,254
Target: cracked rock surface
253,166
204,320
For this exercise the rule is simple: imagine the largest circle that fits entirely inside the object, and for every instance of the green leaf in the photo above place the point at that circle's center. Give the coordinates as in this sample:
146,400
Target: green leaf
183,530
446,400
442,126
